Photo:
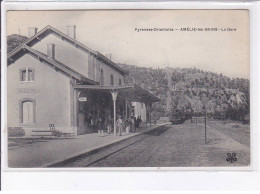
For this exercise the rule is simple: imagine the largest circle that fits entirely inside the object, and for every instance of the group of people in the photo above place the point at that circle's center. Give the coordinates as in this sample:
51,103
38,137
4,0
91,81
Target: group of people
129,124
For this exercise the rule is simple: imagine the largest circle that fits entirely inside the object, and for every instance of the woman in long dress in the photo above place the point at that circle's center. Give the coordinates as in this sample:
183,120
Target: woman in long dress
109,124
119,125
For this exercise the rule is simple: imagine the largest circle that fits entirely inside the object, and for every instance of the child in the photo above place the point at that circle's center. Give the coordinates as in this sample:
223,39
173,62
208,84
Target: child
127,125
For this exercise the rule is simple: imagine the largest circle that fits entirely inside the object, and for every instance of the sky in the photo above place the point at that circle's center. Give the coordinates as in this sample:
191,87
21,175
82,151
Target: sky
114,32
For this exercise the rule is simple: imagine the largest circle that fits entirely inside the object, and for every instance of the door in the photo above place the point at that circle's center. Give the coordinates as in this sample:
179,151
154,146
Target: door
28,112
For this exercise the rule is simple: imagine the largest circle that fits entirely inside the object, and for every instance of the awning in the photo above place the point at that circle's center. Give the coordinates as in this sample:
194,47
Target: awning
131,92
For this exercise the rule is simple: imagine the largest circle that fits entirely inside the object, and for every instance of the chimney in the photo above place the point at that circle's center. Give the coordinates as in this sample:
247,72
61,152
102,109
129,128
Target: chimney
51,50
32,31
71,31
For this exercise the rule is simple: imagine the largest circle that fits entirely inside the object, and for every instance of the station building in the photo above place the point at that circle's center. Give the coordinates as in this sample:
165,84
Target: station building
54,79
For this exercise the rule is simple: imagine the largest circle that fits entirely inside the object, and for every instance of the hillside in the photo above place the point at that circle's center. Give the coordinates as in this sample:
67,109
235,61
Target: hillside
191,88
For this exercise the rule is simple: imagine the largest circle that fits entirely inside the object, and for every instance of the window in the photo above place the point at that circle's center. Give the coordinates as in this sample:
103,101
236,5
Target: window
27,75
102,77
23,76
120,82
30,75
27,112
111,80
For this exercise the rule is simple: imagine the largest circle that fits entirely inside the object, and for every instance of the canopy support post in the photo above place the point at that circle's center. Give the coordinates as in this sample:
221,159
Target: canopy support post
150,110
147,111
114,97
126,108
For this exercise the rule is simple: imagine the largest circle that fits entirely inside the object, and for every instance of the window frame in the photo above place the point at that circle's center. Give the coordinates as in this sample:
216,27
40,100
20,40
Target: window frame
27,69
21,74
112,83
33,78
102,77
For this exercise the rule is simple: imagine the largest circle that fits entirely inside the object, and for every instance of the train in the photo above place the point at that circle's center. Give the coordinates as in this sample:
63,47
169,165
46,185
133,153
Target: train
179,116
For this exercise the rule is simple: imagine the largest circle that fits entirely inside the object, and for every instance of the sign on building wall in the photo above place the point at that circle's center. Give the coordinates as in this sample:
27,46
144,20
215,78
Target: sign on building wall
83,99
27,90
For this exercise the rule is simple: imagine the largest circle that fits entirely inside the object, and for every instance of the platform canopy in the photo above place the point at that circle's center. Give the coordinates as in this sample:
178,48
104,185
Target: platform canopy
131,92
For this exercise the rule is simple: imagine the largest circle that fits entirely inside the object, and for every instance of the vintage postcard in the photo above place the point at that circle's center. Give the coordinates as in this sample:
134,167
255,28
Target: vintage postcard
128,88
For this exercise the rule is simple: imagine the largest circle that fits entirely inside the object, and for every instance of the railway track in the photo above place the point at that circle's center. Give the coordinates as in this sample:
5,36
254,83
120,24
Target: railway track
90,159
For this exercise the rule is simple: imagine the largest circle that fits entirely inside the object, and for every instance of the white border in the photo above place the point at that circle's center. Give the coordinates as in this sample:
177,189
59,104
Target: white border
51,173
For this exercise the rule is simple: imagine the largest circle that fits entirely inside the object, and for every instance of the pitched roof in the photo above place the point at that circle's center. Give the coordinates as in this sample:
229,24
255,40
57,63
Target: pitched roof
50,30
42,57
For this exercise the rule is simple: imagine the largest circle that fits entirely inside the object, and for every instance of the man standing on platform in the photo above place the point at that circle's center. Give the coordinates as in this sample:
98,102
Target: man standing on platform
135,123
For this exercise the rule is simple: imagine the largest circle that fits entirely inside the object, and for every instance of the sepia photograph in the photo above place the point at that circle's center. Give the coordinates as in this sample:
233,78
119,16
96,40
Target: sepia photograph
128,88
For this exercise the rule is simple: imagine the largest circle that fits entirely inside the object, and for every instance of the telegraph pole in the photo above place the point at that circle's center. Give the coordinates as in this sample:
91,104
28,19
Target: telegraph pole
205,125
204,100
196,119
170,88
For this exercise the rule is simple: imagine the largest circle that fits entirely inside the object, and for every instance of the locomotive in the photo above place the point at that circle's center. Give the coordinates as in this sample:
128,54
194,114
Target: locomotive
179,116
